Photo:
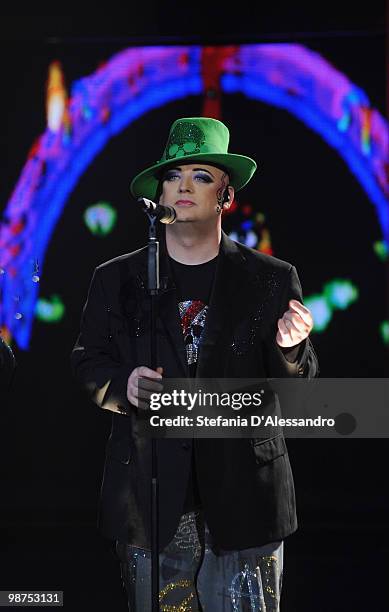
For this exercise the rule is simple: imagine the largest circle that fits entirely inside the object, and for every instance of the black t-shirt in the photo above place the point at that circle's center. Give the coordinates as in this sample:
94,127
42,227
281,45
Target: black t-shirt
194,287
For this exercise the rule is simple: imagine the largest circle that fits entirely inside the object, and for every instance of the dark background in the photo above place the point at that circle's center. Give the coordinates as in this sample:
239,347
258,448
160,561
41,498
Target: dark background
320,219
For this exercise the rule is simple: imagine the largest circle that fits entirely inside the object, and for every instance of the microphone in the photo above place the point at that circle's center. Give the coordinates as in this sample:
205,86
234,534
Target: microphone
164,214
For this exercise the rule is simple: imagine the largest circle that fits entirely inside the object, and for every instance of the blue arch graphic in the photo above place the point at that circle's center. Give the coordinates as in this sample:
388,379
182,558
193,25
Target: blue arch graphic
140,79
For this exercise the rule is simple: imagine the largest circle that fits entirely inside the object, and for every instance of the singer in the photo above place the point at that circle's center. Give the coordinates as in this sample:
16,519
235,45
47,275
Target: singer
225,310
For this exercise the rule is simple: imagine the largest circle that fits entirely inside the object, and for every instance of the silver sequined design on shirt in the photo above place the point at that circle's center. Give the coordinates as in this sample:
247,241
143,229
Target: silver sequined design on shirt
192,338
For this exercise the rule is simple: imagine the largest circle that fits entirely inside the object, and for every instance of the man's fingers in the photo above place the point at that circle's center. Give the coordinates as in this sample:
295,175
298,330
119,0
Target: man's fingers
140,398
144,371
144,387
298,306
296,322
287,328
142,382
150,384
291,329
282,327
302,310
144,394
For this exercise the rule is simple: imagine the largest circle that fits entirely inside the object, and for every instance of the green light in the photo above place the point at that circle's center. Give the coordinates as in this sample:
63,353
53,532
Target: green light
337,294
340,293
50,311
320,310
100,218
381,249
384,330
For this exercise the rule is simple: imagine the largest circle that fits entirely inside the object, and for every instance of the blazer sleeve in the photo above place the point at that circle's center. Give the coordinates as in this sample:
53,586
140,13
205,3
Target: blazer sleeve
95,363
7,365
300,360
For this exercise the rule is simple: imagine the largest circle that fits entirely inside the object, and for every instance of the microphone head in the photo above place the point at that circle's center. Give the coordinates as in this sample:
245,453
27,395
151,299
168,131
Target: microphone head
164,214
169,216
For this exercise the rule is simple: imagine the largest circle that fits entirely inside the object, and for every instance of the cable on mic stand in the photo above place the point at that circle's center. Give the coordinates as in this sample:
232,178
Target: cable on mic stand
153,288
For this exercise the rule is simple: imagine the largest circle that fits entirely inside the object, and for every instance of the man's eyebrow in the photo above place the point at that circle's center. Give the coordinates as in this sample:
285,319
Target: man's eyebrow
194,170
203,170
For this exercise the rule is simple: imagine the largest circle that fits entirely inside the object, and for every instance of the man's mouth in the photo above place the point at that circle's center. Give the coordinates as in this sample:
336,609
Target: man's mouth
185,203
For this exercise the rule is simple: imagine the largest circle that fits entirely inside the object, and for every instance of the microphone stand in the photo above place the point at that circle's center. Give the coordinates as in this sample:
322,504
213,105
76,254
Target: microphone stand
153,287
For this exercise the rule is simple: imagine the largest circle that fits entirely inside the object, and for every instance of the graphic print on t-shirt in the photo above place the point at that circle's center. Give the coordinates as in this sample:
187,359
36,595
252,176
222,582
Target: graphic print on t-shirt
193,314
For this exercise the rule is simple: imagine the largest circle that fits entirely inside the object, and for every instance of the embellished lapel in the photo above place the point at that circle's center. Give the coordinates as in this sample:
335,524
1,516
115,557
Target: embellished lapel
168,320
230,293
168,312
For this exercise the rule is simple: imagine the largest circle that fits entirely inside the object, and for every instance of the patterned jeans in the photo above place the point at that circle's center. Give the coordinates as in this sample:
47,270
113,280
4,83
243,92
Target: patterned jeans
194,576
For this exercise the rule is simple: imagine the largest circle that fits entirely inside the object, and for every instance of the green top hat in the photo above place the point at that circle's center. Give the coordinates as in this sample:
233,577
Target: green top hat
191,139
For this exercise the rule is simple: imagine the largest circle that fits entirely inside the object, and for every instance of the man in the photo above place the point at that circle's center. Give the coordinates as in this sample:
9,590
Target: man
225,505
7,365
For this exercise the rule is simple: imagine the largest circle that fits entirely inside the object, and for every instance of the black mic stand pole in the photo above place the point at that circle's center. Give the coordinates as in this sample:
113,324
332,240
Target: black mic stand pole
153,287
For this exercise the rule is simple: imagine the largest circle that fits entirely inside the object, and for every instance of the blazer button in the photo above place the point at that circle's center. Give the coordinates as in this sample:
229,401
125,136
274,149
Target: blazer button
185,445
300,371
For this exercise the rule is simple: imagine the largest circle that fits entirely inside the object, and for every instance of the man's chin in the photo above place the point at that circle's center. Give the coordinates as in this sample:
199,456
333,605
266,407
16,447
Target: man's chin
185,219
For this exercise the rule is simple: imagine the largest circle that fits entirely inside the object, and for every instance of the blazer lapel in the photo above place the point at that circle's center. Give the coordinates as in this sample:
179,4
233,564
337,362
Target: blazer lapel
227,297
168,320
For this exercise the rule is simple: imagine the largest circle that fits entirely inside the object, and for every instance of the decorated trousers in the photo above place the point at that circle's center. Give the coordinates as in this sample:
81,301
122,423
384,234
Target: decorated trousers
196,576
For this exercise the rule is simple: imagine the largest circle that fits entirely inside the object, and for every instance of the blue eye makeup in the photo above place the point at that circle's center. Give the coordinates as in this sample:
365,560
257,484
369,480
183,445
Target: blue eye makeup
170,175
202,176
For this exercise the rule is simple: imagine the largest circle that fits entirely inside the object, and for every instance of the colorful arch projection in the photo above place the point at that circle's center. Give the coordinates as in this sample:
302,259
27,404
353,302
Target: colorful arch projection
139,79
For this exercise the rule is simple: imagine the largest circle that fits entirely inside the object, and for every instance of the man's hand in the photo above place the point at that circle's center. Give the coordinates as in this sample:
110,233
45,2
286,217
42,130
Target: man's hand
142,382
295,325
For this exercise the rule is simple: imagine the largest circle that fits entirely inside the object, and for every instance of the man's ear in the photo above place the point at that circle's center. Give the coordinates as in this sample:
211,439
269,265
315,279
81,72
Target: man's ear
231,193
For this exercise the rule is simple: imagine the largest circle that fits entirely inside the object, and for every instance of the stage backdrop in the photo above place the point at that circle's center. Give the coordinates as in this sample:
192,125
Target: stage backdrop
81,121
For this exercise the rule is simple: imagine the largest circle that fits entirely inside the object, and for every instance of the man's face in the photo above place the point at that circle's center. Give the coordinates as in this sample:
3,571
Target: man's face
195,191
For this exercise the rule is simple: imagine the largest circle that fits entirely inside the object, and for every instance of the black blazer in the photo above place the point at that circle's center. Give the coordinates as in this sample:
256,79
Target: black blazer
246,486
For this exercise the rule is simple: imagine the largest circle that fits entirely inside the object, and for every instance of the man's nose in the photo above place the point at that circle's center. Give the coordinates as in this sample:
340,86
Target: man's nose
186,183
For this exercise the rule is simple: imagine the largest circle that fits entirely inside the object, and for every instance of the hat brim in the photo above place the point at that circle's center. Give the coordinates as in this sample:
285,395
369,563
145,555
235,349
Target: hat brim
239,167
